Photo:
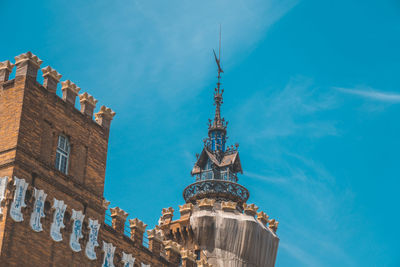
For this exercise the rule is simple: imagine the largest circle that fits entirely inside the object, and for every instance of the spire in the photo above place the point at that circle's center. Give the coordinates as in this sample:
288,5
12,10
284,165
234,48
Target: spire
218,123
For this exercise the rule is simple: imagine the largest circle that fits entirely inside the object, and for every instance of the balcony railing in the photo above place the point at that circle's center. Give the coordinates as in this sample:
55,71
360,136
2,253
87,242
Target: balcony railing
219,189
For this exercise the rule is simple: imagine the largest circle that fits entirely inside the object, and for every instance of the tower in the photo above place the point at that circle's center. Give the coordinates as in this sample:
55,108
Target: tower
217,223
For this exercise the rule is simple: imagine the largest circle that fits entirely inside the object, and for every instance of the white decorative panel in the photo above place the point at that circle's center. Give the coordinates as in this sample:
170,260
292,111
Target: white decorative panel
38,210
3,187
92,243
128,260
145,265
58,219
19,199
76,234
109,250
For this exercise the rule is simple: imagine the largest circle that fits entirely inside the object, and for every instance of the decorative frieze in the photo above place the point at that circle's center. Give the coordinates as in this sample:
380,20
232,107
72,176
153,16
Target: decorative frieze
58,219
205,203
92,243
19,199
77,217
128,260
228,205
108,250
250,209
38,210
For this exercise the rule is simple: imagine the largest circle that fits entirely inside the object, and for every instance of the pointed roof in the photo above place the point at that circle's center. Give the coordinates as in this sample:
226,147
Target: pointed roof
230,158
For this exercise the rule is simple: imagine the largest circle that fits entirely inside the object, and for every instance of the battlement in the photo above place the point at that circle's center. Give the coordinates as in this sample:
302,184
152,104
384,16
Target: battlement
27,67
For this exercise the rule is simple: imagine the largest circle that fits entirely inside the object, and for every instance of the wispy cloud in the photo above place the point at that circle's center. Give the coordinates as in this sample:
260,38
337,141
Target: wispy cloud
290,111
372,94
266,178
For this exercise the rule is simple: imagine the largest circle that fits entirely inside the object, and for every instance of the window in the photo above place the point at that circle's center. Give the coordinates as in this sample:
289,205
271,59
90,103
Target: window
62,155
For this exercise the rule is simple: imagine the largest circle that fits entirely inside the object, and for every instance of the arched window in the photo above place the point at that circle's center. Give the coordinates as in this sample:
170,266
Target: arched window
62,155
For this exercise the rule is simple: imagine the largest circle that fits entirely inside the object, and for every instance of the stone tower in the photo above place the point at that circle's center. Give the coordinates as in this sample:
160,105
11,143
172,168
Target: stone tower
216,223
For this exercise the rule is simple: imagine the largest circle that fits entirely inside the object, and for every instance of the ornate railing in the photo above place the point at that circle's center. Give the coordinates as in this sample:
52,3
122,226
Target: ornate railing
219,189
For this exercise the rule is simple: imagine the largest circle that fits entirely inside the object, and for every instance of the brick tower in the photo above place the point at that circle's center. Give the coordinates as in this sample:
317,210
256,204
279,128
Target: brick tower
52,171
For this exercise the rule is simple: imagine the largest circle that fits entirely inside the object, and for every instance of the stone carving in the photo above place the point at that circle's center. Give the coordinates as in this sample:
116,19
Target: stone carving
128,260
206,203
228,205
109,250
38,210
19,199
250,209
3,187
92,243
262,217
76,234
58,219
273,225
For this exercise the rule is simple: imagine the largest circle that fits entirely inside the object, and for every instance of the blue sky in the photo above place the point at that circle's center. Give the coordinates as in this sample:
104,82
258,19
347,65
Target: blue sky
312,95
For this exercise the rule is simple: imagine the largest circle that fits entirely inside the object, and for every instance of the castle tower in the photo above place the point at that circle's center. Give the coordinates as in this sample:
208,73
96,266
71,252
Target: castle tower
52,173
216,222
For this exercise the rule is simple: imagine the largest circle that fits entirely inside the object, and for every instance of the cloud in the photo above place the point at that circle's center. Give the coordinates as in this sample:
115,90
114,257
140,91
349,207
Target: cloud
372,94
291,111
266,178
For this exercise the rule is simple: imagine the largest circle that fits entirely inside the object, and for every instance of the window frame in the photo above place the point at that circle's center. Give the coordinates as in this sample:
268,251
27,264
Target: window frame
63,152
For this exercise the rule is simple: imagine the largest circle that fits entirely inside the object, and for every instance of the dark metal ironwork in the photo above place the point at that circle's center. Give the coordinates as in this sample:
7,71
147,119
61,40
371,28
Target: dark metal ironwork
218,189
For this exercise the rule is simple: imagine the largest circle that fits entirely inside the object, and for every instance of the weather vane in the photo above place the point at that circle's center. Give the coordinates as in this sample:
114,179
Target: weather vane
218,59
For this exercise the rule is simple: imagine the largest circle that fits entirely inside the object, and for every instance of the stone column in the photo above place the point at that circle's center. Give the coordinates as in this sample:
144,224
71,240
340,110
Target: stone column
27,65
118,219
137,230
50,78
69,91
5,70
88,104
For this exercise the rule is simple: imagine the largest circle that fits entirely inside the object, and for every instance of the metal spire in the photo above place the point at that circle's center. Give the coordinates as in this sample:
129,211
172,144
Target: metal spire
218,122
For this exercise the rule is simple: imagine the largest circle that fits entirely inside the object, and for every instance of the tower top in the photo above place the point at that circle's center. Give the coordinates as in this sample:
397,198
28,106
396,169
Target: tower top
219,123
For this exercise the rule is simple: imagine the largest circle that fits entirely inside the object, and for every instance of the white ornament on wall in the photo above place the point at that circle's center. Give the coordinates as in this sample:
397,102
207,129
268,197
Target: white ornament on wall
3,187
19,199
58,219
38,210
92,243
128,260
76,234
145,265
109,250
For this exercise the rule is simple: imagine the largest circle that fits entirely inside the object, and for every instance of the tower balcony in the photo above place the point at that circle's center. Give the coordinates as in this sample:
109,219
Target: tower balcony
216,189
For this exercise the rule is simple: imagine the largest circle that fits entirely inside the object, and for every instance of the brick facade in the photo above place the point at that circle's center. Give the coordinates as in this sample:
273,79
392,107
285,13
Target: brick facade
32,117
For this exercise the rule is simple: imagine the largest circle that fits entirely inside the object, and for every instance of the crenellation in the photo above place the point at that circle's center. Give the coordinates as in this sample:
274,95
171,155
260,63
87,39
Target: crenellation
262,217
51,78
88,104
273,225
137,230
250,209
118,219
104,117
28,65
228,205
6,68
69,91
206,203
